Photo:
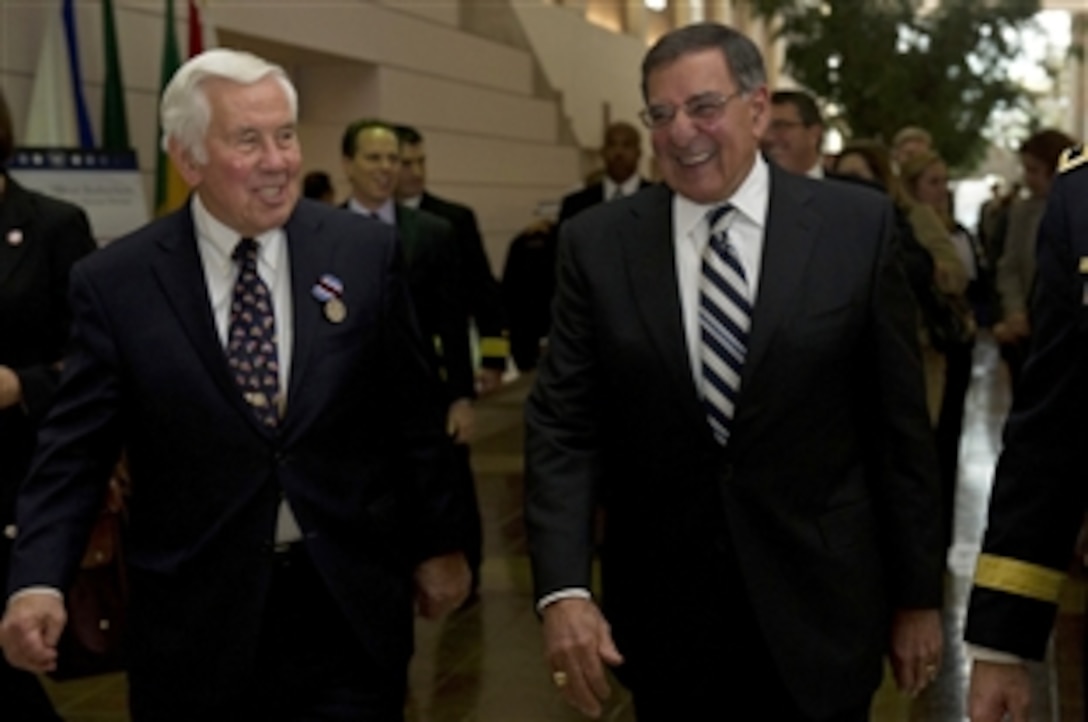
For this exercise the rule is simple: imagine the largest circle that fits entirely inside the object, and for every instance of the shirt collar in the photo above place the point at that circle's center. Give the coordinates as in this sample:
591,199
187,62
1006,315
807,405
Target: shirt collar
750,200
386,212
222,239
414,202
628,187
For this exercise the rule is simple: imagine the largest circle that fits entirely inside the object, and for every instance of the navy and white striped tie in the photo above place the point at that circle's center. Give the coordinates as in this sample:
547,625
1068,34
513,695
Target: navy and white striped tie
725,315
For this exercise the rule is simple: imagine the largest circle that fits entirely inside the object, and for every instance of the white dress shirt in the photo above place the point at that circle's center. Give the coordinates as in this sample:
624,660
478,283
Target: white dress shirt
386,213
627,188
216,243
691,235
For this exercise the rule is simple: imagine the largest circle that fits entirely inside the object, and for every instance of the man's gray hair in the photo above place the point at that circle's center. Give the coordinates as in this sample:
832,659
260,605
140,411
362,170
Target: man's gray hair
185,113
741,55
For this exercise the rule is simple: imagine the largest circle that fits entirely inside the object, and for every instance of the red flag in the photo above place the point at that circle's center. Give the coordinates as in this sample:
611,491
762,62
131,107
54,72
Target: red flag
196,30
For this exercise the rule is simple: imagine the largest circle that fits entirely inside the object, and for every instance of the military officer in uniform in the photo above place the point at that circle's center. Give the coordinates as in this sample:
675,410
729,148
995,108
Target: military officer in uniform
1039,488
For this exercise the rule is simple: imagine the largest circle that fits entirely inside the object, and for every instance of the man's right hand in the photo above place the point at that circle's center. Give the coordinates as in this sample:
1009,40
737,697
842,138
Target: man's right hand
30,629
576,640
998,689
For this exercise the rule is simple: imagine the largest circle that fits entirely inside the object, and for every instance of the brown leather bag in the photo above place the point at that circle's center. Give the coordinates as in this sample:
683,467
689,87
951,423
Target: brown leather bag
93,639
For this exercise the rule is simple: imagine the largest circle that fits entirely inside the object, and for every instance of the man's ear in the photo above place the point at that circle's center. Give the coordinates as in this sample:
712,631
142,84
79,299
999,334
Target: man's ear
191,171
759,101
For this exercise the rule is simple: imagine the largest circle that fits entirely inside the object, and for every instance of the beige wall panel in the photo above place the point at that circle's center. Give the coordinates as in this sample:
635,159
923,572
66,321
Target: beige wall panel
605,70
426,100
374,33
453,158
337,93
447,12
321,151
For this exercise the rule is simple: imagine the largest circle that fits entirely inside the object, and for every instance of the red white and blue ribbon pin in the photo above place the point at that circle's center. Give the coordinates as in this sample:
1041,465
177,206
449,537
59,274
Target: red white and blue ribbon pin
329,290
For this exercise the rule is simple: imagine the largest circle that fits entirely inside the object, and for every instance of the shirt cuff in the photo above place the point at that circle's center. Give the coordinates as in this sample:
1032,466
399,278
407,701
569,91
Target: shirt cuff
572,593
985,654
27,591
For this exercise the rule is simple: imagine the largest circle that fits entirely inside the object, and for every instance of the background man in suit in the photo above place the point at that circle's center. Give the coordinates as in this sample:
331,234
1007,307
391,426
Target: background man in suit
482,297
40,239
621,152
1039,494
795,135
256,357
748,410
370,151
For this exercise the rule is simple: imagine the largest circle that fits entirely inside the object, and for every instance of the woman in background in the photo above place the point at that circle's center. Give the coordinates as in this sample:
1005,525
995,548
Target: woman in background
924,247
40,239
925,180
1016,267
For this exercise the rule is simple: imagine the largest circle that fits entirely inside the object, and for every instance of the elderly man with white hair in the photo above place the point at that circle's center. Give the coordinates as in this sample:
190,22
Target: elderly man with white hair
256,357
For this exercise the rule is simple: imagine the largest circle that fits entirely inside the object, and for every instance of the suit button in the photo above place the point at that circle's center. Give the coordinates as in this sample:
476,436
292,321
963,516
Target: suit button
281,458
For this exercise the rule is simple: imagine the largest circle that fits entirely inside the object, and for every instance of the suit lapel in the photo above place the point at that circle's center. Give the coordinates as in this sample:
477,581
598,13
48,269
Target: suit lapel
651,267
407,234
788,242
16,216
309,261
180,274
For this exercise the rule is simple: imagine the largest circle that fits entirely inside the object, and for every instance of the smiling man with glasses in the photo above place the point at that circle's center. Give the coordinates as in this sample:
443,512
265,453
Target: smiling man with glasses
733,375
795,135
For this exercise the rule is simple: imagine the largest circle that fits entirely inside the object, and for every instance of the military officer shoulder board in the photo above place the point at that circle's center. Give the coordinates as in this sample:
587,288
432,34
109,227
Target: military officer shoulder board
1072,158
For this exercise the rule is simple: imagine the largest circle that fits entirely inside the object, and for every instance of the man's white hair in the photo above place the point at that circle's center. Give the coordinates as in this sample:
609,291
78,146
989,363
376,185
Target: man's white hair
185,113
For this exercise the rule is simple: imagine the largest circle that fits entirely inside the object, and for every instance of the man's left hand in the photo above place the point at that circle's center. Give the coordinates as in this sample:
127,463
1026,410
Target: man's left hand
916,647
442,584
11,391
461,421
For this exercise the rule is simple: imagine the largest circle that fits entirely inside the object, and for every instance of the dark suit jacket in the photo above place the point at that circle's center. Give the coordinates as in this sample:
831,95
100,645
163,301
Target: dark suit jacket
578,201
361,453
828,487
34,315
480,290
434,279
1040,494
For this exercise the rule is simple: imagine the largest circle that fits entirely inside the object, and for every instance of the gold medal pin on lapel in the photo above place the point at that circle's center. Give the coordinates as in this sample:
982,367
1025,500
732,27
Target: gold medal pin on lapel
335,310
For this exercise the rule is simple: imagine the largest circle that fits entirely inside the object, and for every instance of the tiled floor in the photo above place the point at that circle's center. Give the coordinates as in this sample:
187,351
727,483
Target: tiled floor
484,664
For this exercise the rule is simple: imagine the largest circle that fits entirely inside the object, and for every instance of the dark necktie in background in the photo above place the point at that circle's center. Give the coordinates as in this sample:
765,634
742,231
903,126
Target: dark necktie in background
251,340
725,315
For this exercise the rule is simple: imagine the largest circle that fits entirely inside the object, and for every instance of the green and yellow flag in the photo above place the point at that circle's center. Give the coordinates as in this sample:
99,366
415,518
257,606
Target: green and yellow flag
114,114
170,188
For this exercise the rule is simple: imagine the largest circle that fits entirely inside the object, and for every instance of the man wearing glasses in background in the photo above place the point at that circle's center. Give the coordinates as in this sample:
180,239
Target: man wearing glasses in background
795,135
733,375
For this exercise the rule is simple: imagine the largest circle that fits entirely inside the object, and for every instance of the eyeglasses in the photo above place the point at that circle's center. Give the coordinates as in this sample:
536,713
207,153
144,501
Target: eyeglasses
702,108
782,125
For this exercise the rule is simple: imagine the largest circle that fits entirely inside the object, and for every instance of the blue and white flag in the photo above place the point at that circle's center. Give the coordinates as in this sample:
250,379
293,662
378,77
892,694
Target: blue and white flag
57,117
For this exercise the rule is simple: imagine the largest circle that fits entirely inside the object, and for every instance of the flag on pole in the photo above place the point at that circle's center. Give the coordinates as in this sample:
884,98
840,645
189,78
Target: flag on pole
202,35
57,116
170,188
114,114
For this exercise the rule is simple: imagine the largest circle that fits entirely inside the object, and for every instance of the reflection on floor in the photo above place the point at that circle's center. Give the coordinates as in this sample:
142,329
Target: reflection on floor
484,664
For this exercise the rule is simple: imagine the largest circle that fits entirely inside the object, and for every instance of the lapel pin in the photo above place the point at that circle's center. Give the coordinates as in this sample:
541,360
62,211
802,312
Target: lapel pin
1083,264
335,310
329,291
15,237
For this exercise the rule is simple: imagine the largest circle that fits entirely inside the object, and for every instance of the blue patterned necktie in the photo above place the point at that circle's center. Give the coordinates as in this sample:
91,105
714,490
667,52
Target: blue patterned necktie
251,341
725,315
